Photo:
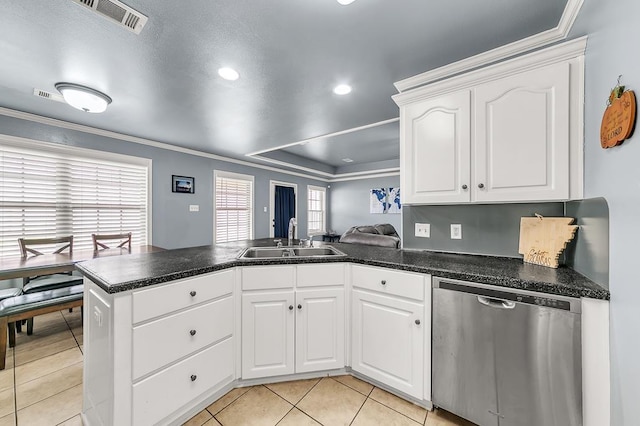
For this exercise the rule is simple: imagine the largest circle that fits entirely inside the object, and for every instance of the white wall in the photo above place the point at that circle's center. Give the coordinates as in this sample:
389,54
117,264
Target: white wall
613,27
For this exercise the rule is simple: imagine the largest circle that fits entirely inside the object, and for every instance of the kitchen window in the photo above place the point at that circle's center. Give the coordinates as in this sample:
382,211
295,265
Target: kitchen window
316,210
50,190
233,201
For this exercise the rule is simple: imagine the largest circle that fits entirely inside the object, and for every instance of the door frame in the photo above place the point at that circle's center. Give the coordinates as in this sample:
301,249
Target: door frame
272,196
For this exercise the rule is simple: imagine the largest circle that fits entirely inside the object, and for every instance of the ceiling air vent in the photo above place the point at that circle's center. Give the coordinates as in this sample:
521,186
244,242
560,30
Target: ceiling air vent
48,95
117,12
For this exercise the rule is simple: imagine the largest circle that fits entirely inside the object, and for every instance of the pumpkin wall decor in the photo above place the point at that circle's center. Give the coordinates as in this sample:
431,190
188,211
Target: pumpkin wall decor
619,118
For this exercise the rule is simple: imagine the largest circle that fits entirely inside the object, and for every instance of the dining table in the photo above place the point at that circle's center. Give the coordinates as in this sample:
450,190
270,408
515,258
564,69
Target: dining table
19,267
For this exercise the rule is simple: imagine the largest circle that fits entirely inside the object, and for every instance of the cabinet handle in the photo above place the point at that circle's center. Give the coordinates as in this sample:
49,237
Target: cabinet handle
417,322
383,282
481,185
192,293
193,377
464,186
291,307
299,306
192,332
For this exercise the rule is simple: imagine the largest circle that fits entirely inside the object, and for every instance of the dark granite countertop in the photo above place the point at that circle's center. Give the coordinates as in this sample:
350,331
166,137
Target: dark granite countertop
122,273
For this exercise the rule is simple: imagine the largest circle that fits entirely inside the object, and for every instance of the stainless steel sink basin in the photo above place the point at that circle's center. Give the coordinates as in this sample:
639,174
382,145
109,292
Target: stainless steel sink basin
317,251
280,252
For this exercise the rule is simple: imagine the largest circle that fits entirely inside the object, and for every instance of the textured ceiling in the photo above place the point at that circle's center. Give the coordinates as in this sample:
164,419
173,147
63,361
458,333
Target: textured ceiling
290,54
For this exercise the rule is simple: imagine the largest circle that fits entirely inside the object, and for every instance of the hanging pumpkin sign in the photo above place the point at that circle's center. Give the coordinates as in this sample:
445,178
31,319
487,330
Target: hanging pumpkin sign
619,117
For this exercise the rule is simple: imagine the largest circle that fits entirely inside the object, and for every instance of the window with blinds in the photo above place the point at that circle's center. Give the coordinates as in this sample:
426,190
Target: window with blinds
316,210
51,191
233,216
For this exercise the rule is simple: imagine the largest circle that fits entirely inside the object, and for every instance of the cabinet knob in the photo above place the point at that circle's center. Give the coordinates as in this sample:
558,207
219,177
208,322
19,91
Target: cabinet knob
299,306
291,307
383,282
481,185
192,332
192,293
464,186
193,377
417,322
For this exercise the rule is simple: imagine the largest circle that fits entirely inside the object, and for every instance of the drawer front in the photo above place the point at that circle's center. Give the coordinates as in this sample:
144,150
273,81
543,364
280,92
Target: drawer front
404,284
157,301
158,396
320,274
267,277
167,339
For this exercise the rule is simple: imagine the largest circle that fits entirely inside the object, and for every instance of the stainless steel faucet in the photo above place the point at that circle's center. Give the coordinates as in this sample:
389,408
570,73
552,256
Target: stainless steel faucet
292,224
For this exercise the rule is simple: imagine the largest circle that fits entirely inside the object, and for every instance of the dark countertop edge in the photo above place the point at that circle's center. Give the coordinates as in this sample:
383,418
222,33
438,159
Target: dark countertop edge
499,281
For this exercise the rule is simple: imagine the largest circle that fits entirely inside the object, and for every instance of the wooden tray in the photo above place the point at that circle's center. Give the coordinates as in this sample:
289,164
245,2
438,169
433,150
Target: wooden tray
543,239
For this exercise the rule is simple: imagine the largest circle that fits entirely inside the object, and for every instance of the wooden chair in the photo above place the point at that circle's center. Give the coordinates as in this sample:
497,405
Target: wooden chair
46,282
125,239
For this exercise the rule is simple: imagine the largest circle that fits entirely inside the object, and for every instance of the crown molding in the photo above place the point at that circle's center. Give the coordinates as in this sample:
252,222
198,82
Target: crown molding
570,50
560,32
316,174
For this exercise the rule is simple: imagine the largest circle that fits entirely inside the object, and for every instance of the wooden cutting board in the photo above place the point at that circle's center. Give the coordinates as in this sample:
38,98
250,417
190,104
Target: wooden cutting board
543,239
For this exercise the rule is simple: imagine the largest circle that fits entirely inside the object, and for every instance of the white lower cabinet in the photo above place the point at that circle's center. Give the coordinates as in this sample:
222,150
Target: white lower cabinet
391,329
292,331
151,355
267,334
388,341
320,330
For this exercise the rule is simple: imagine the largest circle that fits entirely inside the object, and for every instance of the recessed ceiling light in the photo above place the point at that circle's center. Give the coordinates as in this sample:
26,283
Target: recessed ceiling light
228,74
342,89
347,160
83,98
345,2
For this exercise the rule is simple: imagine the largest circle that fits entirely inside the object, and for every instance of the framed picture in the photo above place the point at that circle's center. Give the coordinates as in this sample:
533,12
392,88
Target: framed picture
184,184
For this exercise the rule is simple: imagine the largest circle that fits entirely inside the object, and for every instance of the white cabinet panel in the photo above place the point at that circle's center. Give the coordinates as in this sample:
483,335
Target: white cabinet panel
320,330
435,149
268,277
522,136
383,280
162,341
267,334
322,274
160,300
158,396
388,341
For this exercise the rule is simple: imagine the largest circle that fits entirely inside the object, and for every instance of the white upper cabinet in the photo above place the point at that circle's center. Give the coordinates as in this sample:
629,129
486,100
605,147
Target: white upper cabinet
436,151
521,143
510,132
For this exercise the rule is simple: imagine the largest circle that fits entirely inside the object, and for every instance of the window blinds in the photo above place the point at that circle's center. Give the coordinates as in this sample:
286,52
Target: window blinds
234,207
54,193
316,209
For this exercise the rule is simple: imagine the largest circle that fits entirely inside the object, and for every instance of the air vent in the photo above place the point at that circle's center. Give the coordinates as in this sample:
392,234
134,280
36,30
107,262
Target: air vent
48,95
117,12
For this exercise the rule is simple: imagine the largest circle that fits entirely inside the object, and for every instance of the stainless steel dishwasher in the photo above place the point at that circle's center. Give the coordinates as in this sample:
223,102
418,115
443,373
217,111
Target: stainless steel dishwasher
506,357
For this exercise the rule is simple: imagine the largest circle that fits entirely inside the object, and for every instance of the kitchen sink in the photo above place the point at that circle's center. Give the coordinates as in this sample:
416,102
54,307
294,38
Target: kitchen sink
280,252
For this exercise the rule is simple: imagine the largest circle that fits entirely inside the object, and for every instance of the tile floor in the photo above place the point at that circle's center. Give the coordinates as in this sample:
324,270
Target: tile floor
42,381
42,385
341,400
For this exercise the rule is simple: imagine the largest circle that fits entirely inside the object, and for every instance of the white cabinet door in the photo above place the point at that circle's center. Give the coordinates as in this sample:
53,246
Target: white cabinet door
267,334
320,330
435,144
388,341
521,143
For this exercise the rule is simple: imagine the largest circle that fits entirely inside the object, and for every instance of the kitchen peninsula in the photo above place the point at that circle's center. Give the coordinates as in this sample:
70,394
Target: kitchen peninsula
168,333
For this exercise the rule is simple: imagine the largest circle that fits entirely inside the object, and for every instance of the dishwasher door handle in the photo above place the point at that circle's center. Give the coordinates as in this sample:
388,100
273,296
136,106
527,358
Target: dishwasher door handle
496,303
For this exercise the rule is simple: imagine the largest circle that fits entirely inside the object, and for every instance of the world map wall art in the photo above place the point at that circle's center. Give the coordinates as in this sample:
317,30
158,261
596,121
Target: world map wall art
385,200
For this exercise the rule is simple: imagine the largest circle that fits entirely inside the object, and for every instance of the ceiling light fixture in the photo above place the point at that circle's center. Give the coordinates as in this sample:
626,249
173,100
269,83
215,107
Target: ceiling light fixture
83,98
345,2
342,89
347,160
228,74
